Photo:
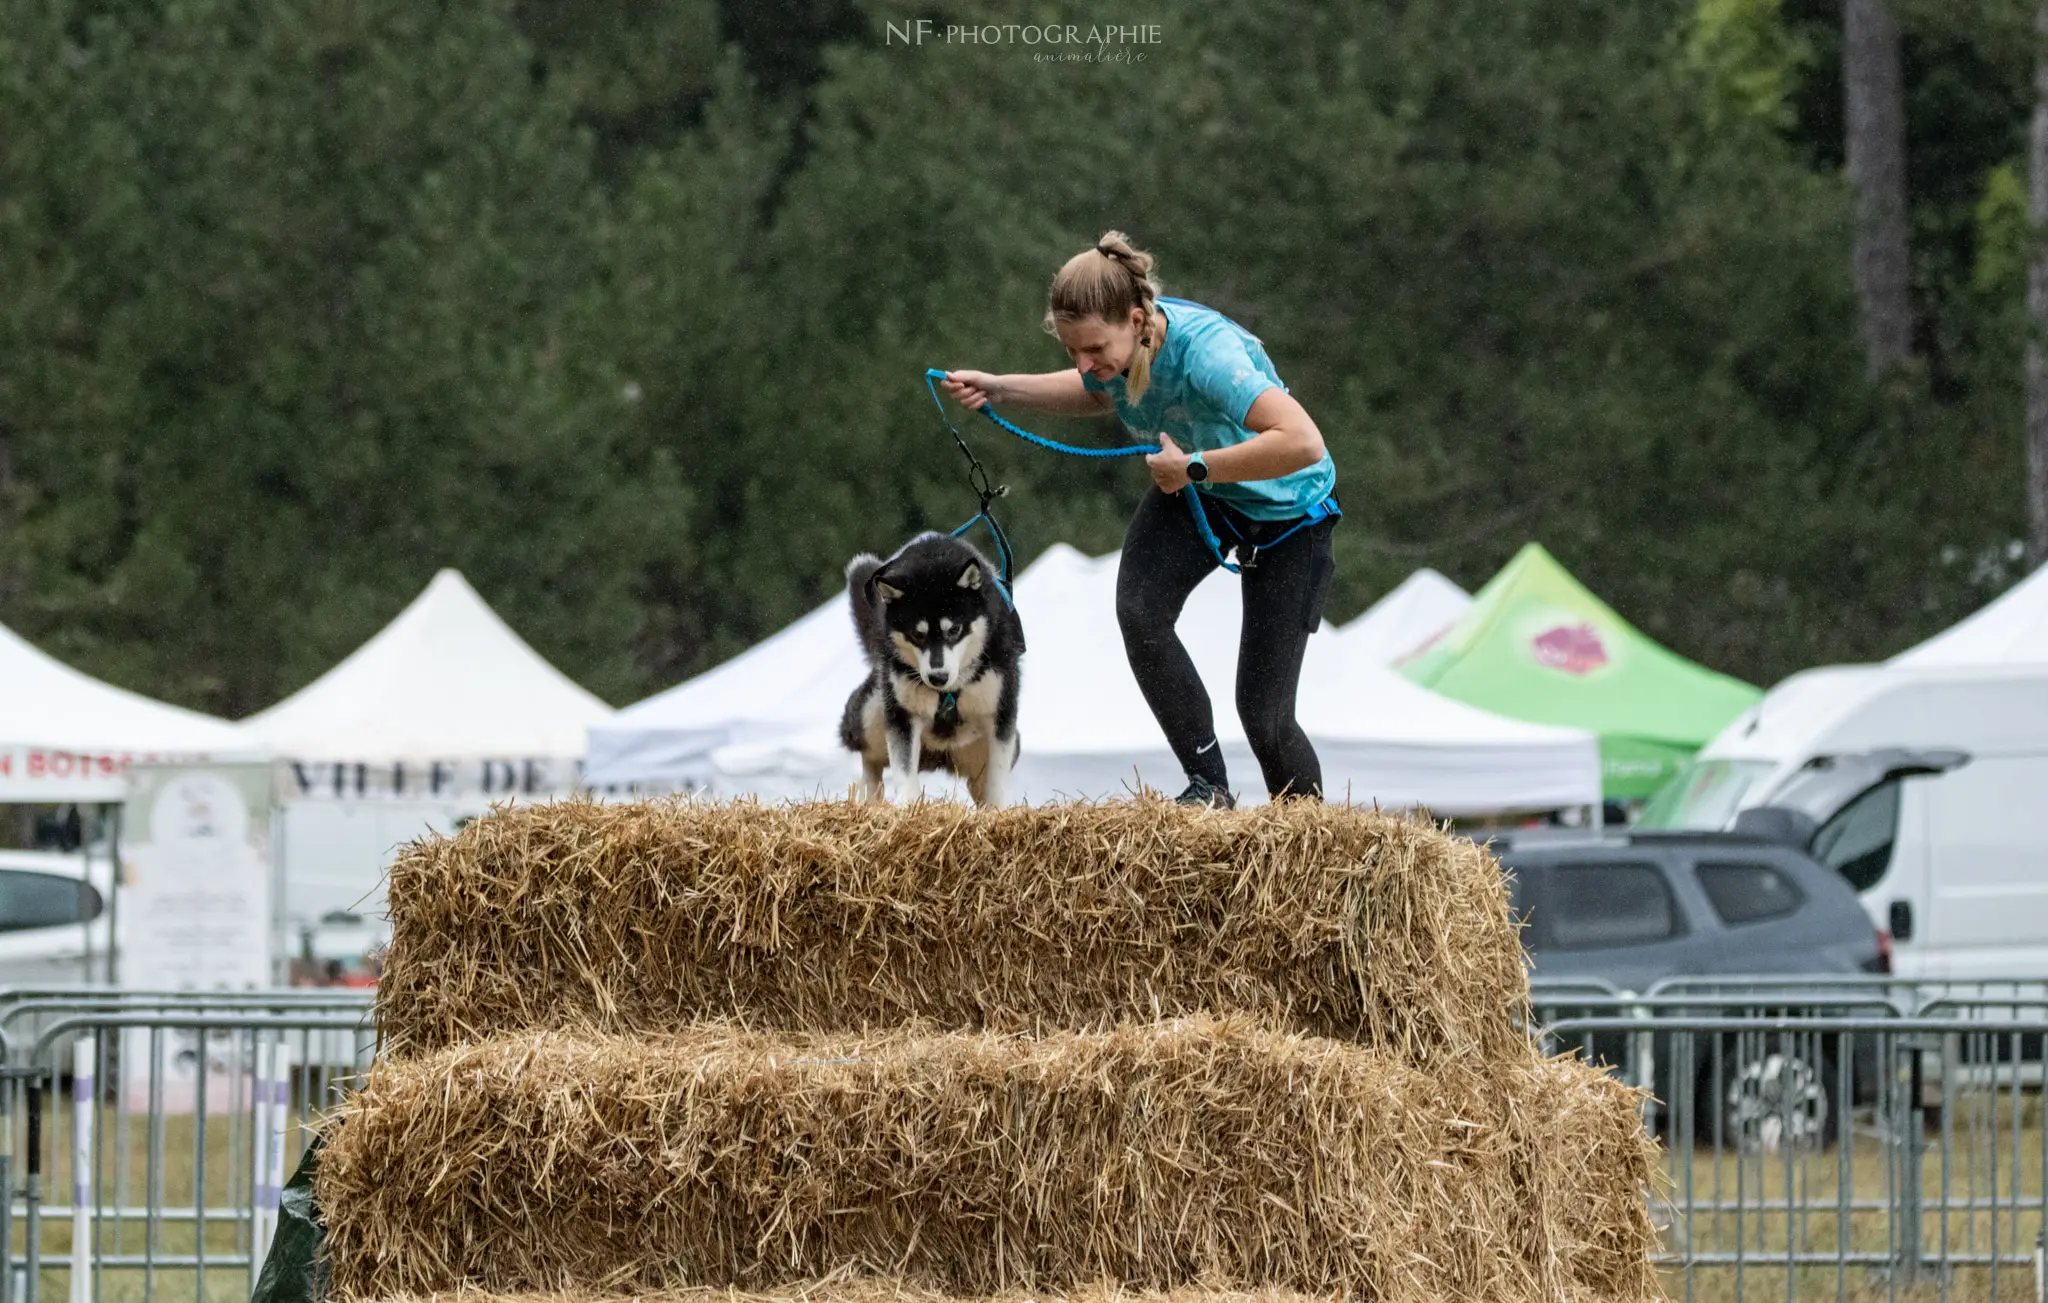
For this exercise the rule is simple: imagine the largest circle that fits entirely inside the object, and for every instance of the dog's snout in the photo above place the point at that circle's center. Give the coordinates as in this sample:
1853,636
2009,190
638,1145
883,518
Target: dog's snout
938,675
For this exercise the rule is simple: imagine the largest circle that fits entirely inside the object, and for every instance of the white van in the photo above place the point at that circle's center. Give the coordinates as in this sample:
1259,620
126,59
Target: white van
1926,788
54,922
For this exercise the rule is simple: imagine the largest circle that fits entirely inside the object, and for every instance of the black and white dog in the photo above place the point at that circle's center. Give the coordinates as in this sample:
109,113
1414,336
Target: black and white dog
942,644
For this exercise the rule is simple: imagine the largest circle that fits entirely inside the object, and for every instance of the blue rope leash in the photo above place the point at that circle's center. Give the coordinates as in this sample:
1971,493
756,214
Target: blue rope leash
1321,511
933,375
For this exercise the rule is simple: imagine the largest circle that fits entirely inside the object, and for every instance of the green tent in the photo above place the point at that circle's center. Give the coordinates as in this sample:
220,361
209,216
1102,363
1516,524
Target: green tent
1536,645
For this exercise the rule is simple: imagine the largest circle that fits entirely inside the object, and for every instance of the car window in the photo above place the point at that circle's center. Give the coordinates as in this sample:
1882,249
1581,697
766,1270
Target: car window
33,900
1704,795
1593,906
1857,841
1749,893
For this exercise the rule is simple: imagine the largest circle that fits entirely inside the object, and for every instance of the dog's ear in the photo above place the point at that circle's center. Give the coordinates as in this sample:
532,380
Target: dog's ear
971,576
878,586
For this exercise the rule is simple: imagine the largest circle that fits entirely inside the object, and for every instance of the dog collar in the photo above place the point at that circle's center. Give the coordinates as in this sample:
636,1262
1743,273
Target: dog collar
949,710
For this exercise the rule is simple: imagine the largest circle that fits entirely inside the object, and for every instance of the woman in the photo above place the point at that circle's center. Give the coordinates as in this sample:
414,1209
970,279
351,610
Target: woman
1204,387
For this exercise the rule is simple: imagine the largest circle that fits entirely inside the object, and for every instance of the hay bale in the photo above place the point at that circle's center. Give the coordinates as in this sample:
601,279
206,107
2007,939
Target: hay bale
886,1290
1153,1155
836,916
864,1290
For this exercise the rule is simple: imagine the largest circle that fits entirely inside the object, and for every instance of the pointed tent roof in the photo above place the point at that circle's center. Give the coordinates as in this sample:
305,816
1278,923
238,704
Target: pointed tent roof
48,709
1419,608
1537,645
447,679
2013,630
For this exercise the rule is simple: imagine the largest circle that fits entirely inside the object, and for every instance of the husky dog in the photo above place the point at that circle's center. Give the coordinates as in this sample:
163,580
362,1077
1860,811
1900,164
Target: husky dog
942,644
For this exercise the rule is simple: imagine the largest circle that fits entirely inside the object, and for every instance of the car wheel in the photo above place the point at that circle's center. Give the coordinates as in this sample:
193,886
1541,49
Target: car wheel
1778,1097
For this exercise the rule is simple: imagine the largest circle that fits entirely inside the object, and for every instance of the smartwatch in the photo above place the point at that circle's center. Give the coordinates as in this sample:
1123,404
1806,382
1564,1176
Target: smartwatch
1198,470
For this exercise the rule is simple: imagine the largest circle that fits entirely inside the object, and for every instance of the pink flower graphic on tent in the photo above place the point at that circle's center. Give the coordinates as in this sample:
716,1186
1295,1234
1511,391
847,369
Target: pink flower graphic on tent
1573,648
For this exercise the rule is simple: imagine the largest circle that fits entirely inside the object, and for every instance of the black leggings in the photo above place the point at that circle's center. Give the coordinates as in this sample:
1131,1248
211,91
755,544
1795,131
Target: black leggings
1163,560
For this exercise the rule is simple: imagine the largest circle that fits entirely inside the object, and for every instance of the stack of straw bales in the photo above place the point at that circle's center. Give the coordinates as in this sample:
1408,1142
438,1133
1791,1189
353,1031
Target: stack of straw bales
855,1054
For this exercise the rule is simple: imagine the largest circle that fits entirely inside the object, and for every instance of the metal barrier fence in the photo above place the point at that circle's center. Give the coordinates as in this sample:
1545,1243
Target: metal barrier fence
1833,1138
154,1131
1910,995
1851,1139
1907,996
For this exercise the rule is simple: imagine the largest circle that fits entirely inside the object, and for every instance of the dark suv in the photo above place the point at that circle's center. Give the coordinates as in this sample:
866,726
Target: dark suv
1630,908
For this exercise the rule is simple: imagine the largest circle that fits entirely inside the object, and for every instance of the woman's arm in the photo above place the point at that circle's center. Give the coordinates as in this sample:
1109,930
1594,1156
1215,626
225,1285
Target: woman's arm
1058,392
1284,440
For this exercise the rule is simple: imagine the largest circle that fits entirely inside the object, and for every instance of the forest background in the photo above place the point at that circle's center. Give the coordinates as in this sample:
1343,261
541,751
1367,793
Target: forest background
623,307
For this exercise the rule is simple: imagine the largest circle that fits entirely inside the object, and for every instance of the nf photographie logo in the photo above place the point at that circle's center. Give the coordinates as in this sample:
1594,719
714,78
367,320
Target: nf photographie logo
1047,42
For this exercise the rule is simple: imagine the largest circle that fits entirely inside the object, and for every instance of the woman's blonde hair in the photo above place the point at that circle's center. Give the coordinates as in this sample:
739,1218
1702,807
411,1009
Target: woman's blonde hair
1107,281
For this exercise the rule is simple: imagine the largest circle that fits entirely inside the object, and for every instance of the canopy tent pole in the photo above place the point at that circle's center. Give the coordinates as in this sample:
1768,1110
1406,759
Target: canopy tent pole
85,875
113,815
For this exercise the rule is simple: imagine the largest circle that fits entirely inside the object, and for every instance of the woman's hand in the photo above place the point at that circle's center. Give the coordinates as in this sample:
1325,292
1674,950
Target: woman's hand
973,390
1284,440
1169,465
1058,392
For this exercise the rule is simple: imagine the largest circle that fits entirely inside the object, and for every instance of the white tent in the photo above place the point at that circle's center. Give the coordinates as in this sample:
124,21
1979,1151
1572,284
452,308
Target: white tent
1413,614
1379,737
1085,726
66,736
784,685
2010,631
444,712
446,680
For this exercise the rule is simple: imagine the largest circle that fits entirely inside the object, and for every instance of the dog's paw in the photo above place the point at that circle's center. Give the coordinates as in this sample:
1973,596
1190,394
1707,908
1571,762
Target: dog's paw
900,789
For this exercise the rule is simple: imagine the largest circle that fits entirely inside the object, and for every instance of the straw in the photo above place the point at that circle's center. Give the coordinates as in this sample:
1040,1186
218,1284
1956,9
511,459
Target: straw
836,915
1188,1152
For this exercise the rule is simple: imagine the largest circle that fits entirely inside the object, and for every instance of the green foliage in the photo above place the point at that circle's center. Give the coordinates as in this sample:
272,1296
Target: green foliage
340,325
2005,241
306,301
1749,59
638,74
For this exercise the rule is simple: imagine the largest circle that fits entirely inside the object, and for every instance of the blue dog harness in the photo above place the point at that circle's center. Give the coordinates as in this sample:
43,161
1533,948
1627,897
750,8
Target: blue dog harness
1326,509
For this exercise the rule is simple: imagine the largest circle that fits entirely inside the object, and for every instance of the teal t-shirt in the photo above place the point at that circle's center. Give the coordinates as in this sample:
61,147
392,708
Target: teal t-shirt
1203,382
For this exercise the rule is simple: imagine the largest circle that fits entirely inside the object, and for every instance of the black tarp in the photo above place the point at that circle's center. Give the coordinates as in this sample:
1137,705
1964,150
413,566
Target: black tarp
295,1271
